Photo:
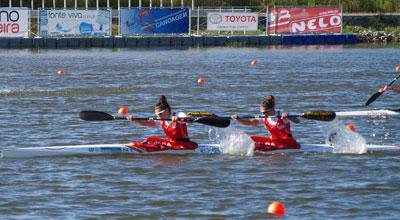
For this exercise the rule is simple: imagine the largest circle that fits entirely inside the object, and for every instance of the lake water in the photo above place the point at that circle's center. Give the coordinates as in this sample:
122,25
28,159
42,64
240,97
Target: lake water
39,108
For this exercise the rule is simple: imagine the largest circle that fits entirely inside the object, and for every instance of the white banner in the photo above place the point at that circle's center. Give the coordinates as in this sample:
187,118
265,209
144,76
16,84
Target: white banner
14,22
74,22
232,21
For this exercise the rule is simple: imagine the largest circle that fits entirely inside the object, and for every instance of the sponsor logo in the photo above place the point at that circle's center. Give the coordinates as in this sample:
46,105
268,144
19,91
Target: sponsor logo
232,21
215,18
305,20
240,18
9,22
69,15
173,18
110,149
9,16
316,24
283,15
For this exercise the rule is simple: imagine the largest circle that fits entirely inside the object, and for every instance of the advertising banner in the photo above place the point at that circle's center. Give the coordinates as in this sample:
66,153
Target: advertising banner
74,22
14,22
304,20
155,21
232,21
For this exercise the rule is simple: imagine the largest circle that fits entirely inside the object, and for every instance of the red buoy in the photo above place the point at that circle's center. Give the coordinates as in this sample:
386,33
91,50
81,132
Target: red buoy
351,127
201,81
276,208
60,72
123,110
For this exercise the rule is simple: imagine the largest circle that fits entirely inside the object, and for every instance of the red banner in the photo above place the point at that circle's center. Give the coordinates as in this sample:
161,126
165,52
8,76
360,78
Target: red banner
304,20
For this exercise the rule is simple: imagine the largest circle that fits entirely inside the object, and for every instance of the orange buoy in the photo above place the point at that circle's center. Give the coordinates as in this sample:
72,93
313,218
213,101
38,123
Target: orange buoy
253,62
397,68
276,208
351,127
201,81
123,110
61,72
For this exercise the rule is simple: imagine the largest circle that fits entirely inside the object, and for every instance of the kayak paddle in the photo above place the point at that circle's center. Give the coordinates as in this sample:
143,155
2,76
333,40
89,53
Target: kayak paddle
377,94
312,115
103,116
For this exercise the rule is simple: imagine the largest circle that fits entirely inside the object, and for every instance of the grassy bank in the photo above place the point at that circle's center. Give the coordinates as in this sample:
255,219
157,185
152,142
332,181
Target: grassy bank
360,29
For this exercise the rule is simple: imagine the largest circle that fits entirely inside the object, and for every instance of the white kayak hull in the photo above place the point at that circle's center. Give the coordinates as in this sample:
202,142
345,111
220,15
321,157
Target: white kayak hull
368,113
96,149
329,148
122,149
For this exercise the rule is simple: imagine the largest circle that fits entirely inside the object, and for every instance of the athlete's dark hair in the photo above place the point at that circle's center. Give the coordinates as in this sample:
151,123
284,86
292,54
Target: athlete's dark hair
268,102
163,104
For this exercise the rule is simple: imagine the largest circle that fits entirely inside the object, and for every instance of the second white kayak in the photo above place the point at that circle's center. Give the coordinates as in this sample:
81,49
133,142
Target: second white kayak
369,113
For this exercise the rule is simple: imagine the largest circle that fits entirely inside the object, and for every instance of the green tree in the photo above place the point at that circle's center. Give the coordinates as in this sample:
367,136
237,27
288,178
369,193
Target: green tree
349,6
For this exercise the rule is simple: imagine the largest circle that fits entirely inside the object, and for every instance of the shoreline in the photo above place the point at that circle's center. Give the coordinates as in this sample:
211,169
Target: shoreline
378,37
365,37
177,41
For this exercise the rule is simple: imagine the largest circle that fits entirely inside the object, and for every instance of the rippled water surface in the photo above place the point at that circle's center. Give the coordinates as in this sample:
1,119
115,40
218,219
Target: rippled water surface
38,108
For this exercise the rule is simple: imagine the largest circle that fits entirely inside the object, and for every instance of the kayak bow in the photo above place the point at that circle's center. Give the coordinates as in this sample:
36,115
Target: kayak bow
369,113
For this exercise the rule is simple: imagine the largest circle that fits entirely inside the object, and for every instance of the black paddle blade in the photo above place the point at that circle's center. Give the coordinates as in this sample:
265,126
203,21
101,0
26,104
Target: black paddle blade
95,116
373,98
214,121
320,115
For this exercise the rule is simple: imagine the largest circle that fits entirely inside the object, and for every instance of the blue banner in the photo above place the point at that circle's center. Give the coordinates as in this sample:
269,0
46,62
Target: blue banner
154,21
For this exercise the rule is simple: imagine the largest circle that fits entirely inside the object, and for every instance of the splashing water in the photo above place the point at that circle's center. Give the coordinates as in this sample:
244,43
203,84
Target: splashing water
343,140
232,140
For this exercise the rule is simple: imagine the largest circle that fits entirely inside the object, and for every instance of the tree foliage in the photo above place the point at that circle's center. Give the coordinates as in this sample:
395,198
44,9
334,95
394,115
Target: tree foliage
349,6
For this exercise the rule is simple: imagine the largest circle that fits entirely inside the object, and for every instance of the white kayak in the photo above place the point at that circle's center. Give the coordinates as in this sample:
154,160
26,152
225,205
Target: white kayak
369,113
124,149
97,149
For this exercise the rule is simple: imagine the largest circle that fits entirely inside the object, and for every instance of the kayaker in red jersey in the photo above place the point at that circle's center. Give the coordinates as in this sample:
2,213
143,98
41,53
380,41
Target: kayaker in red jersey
277,125
393,88
175,130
